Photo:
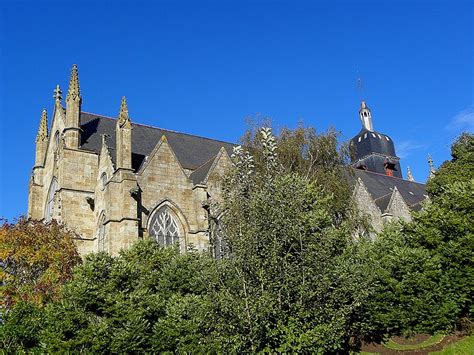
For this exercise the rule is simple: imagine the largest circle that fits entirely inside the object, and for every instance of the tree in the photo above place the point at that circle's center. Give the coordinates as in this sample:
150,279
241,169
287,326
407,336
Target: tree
299,277
425,269
146,299
445,227
36,259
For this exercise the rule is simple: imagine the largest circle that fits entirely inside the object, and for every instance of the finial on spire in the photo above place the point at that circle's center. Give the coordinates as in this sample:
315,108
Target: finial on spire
43,127
432,168
74,89
123,115
409,174
57,94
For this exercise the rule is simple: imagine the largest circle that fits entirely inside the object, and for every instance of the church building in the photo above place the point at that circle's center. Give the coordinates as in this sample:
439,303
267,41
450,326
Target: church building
113,181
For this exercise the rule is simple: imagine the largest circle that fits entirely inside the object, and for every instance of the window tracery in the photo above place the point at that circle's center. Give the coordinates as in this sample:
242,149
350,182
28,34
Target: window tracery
164,227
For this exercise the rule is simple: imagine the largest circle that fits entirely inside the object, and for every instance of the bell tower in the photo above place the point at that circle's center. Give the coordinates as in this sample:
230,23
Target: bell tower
365,117
371,150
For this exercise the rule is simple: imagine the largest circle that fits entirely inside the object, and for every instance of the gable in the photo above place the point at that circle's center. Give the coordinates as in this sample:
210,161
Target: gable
382,186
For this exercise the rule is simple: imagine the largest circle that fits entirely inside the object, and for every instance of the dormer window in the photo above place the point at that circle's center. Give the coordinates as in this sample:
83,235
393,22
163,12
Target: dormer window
389,169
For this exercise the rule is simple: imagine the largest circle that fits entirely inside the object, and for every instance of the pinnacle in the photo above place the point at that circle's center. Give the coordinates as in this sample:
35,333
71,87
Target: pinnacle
57,94
74,89
432,168
43,128
409,174
123,115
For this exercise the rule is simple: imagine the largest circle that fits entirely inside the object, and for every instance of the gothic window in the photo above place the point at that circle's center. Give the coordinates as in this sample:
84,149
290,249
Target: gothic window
56,140
164,227
48,212
221,249
103,180
101,236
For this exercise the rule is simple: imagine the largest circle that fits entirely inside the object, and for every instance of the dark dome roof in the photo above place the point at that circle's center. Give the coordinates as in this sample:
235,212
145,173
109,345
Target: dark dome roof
368,142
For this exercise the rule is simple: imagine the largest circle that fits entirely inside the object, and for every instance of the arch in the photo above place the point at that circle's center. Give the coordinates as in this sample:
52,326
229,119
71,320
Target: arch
56,140
167,225
101,233
220,246
103,180
48,210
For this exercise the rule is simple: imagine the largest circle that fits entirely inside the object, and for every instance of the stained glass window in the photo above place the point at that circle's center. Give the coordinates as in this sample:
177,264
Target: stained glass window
164,227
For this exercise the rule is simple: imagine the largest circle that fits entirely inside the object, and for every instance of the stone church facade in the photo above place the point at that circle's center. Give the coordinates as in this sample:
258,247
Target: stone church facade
113,181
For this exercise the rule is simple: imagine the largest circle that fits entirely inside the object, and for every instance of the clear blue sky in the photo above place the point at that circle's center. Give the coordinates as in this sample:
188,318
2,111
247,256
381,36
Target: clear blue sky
203,67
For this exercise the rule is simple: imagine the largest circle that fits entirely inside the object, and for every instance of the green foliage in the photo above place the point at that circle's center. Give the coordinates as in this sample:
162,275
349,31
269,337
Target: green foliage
460,168
445,227
148,298
425,270
409,298
20,327
299,277
316,157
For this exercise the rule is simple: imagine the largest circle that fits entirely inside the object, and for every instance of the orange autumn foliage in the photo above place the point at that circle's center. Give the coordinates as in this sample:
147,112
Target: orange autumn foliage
35,260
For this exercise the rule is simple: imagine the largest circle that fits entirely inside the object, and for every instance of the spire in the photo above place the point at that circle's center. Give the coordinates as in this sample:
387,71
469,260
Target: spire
74,89
365,116
409,175
57,95
123,140
432,168
123,117
43,127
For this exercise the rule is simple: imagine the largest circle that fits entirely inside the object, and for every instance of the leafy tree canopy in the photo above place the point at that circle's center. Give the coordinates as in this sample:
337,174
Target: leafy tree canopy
36,259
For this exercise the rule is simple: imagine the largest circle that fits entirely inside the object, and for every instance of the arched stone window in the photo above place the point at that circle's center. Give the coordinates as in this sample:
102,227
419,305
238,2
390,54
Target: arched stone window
165,227
101,234
48,211
219,243
103,180
56,140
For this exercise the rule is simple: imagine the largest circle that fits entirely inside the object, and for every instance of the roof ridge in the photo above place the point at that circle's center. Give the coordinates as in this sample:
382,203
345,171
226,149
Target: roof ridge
392,177
163,129
378,198
207,161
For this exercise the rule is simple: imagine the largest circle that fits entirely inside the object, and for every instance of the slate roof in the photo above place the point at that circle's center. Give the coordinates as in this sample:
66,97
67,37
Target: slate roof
367,142
198,154
381,186
191,151
199,175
